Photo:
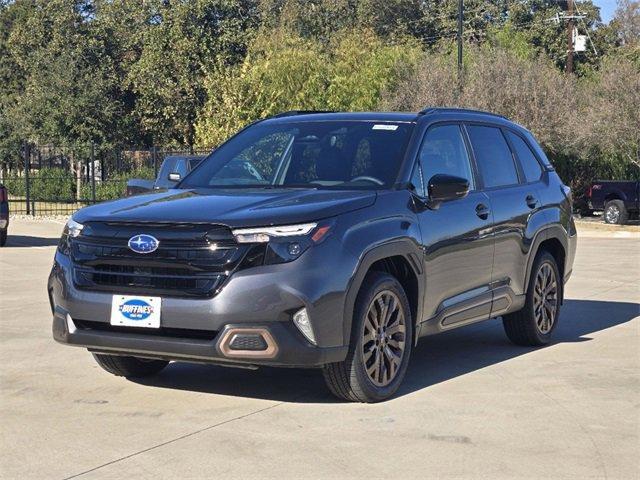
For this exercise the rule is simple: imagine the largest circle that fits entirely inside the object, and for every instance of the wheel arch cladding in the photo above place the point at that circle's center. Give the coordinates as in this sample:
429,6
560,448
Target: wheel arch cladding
400,268
402,260
557,250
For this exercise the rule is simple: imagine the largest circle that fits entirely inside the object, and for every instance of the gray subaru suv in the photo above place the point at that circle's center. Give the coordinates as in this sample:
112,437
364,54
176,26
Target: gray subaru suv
326,240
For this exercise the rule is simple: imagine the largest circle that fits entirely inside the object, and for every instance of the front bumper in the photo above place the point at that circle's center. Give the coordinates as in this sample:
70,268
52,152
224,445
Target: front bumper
291,350
261,298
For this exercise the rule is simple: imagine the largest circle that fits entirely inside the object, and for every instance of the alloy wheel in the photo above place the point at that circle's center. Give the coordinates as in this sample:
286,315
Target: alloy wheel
545,298
384,337
612,214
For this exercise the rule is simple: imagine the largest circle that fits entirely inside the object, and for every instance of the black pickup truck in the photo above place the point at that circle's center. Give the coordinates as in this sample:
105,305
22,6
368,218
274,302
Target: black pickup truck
619,200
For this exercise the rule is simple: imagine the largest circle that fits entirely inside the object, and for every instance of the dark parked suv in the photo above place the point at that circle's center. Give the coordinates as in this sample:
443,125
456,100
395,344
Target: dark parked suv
330,240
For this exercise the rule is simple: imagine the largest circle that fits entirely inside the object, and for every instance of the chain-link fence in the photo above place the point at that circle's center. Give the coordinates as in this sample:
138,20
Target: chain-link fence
58,180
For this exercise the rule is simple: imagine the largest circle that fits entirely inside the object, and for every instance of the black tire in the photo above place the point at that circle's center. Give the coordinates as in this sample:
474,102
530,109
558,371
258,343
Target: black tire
522,326
3,237
615,212
349,379
129,366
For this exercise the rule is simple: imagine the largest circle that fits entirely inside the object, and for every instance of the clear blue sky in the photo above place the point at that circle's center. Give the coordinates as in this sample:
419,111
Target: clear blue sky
607,9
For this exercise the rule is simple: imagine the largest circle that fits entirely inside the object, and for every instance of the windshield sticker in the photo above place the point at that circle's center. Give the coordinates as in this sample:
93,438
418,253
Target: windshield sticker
384,127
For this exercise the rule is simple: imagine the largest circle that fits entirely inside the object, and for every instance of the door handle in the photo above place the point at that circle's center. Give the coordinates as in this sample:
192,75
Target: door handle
482,211
532,202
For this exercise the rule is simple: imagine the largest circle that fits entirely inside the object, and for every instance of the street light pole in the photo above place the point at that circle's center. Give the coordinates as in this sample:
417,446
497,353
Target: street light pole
460,16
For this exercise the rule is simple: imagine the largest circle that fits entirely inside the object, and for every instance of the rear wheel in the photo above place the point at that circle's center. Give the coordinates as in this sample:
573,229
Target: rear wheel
533,325
129,366
615,212
380,345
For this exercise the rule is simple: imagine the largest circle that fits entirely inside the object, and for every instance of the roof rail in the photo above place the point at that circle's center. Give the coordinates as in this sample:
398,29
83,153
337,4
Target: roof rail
429,110
292,113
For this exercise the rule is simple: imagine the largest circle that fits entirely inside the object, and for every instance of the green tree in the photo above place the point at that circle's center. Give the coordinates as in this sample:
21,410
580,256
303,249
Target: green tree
283,71
309,19
363,66
181,41
509,38
70,92
280,72
12,83
627,21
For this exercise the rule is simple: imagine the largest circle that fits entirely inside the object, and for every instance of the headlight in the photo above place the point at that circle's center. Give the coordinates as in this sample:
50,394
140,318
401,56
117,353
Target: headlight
264,234
281,244
73,228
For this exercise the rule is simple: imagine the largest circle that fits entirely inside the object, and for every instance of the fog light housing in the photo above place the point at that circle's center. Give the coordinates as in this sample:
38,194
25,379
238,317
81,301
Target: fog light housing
301,320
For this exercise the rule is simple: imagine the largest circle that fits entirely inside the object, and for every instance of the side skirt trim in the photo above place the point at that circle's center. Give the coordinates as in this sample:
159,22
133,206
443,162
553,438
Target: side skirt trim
481,306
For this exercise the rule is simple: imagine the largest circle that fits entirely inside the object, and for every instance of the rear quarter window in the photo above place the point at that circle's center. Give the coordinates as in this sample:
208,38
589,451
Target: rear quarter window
538,150
528,161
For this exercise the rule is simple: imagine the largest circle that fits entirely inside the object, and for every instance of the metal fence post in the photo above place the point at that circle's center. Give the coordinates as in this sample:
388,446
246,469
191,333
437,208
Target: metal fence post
154,155
27,165
93,173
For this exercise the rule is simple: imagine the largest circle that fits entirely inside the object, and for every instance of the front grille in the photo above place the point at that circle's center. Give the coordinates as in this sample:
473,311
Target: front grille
146,279
185,333
191,260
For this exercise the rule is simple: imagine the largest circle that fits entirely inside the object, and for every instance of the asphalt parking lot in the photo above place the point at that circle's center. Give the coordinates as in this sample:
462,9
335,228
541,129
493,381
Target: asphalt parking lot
472,405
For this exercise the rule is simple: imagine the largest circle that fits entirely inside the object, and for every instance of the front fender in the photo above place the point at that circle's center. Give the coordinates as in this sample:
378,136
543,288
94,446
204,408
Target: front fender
389,234
401,247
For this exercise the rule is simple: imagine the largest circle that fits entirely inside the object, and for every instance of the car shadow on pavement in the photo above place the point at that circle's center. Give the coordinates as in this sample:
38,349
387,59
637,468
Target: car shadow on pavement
29,241
436,359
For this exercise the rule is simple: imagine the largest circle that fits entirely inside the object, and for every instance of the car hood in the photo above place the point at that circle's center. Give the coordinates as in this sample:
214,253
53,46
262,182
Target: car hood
234,208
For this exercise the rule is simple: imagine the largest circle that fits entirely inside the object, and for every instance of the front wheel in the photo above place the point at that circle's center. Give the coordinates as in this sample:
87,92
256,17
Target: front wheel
533,325
129,366
380,346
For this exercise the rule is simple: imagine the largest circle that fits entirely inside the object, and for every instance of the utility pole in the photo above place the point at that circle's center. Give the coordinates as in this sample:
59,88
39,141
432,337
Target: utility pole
460,16
569,68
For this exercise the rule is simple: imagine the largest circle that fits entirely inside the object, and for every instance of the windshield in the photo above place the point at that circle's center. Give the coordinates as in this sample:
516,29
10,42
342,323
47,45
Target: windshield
314,154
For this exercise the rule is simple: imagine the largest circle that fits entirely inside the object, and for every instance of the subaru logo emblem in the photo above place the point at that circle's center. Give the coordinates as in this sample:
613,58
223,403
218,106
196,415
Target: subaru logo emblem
143,243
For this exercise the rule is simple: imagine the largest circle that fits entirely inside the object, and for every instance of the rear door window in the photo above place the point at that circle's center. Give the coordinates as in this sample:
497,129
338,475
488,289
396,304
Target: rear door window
493,156
528,161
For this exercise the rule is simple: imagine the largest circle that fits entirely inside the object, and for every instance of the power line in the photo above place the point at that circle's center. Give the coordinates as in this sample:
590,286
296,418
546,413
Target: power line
469,34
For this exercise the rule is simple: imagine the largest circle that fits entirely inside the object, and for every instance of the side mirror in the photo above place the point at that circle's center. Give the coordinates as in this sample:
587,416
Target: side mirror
443,187
175,177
